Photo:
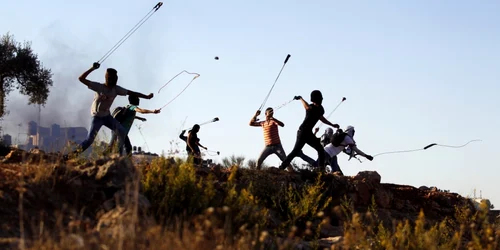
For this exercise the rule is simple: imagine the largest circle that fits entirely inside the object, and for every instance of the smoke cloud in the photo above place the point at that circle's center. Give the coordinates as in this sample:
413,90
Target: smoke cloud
67,105
68,56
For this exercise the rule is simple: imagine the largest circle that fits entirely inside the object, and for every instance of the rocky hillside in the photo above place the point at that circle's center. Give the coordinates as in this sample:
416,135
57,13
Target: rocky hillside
94,198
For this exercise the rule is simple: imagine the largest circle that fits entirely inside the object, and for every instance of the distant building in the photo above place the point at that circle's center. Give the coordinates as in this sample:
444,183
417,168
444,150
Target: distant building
138,157
54,138
7,140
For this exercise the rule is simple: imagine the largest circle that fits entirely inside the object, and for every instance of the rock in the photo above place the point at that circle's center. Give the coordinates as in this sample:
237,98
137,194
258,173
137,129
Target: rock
101,161
115,173
371,177
363,195
383,198
410,207
15,156
385,216
398,204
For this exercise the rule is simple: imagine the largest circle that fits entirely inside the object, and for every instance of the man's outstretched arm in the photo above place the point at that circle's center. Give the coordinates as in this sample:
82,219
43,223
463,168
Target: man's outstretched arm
147,111
325,121
140,95
201,146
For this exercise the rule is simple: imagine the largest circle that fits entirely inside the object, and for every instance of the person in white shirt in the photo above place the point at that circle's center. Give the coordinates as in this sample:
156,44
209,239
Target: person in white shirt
333,150
326,137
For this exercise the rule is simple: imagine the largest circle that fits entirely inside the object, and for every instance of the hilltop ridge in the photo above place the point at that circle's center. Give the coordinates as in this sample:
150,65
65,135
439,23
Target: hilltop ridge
96,198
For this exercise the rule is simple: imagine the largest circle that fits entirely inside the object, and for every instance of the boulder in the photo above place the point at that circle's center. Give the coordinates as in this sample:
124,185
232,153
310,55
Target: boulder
371,177
15,156
363,194
383,197
116,172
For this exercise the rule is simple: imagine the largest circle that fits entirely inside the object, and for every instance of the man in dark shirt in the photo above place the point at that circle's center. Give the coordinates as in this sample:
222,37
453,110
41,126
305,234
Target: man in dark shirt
194,145
184,138
314,112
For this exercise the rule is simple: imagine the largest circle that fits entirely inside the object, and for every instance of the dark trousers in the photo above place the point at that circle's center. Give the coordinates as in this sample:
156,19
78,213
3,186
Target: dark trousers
127,144
303,138
334,164
196,157
110,122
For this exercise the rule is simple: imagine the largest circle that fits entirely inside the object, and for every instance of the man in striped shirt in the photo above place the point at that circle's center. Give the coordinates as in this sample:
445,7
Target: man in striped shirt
271,136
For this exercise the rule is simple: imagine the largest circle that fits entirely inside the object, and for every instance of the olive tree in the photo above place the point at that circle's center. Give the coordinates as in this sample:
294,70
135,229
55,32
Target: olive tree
21,69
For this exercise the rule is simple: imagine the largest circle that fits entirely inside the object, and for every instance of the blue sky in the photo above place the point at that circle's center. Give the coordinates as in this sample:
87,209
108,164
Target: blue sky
413,73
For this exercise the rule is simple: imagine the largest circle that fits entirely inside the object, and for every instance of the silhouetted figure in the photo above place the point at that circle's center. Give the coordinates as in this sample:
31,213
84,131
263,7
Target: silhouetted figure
126,116
271,136
104,96
314,113
194,145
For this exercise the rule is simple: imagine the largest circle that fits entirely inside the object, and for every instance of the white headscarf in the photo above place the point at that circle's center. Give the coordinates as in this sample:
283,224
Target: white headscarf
350,131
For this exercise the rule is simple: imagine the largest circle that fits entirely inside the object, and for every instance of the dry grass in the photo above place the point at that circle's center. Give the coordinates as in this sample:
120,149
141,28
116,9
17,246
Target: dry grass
225,208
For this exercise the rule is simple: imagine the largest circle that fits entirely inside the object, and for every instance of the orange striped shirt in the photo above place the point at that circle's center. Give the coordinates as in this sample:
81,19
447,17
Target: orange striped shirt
271,135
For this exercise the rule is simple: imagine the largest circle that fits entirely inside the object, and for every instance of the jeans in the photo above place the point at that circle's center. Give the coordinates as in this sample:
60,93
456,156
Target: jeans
276,149
128,145
334,164
96,124
303,138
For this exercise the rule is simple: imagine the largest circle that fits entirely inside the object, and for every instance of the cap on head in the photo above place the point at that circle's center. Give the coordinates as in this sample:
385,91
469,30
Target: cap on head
350,130
316,96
